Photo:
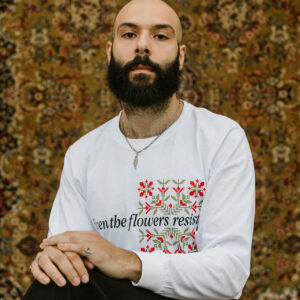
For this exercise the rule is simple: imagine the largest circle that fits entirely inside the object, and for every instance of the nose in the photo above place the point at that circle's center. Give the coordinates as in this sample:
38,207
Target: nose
143,45
141,51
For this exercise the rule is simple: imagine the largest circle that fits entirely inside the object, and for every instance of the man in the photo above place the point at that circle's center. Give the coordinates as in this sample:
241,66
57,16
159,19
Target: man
163,177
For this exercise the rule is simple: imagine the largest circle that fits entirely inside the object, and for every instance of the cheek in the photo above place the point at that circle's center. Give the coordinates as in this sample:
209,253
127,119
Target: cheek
123,50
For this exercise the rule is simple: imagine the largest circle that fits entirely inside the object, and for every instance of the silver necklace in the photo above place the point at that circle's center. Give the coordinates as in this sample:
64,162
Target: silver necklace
137,152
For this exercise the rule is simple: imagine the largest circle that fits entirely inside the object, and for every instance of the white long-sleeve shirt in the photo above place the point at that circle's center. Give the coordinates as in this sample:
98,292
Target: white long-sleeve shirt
187,210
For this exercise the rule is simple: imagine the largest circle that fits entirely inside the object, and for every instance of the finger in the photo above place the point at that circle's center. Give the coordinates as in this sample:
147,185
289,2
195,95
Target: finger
71,248
59,238
48,267
88,264
38,274
55,264
78,265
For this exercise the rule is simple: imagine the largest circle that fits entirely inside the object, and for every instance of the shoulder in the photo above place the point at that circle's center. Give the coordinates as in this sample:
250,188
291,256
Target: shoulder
214,127
90,142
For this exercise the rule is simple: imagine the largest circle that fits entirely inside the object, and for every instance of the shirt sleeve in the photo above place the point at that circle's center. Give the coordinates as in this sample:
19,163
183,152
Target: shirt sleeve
69,210
221,267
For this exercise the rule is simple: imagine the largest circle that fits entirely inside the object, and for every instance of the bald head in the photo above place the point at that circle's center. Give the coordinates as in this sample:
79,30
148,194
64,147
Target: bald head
154,8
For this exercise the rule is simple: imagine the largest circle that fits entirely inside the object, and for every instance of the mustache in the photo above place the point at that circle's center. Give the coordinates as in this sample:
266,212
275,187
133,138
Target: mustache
142,60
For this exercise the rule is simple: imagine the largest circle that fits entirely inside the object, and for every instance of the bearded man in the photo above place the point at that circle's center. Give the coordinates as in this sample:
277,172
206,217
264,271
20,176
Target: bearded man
159,201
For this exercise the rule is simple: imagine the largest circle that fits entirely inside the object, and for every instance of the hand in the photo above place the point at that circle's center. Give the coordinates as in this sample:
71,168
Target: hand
52,263
111,260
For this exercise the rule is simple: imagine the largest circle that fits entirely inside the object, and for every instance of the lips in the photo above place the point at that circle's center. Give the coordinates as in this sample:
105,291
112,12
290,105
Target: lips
142,67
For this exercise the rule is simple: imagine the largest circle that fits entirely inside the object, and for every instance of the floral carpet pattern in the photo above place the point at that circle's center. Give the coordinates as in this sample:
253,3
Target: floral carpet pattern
243,62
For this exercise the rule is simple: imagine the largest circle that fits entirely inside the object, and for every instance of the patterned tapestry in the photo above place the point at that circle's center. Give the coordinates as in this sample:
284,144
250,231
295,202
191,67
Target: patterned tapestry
242,62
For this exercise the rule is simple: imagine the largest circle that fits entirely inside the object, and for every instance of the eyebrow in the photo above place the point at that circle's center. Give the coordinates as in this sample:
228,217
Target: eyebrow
157,26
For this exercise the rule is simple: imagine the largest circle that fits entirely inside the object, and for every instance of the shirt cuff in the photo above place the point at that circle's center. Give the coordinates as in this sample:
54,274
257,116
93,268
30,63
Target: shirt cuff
154,270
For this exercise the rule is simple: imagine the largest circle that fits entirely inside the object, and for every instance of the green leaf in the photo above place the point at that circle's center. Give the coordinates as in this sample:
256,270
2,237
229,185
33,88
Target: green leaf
159,182
182,181
157,244
187,211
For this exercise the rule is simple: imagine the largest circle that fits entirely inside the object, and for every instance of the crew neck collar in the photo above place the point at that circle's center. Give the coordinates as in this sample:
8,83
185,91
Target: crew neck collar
120,138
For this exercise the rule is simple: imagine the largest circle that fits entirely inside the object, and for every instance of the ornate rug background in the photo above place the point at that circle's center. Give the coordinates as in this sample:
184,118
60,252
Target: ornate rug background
243,62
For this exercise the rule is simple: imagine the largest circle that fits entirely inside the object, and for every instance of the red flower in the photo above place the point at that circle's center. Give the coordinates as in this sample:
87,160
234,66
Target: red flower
194,206
160,239
146,188
193,234
197,188
193,246
178,190
163,190
166,251
182,203
192,183
179,250
170,205
147,207
159,203
149,235
147,249
182,237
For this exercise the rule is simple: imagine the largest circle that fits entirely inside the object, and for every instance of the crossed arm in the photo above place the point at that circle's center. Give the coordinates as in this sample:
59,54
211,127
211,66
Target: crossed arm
218,271
64,254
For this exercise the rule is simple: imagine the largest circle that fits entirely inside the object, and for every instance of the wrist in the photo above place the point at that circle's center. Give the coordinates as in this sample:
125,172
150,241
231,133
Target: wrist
134,267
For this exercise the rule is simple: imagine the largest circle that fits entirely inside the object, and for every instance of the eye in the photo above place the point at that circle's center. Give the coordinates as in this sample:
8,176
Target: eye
128,35
161,37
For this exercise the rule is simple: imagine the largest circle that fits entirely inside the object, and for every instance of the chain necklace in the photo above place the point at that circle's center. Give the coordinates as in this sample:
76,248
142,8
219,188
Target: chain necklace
136,159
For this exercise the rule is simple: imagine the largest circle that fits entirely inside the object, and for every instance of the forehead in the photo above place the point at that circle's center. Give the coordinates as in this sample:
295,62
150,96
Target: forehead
147,13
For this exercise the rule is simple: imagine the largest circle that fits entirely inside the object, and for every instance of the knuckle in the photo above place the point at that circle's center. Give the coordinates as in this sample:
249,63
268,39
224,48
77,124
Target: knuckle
70,272
58,255
37,255
72,255
46,250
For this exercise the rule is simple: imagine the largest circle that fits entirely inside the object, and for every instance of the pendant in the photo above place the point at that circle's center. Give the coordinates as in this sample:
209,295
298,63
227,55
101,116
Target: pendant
136,160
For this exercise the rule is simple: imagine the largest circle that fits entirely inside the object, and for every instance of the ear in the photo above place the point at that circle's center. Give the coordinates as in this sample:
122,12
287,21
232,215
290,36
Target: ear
182,52
108,51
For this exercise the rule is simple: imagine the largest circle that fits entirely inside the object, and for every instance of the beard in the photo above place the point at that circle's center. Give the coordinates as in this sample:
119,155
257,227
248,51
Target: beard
140,92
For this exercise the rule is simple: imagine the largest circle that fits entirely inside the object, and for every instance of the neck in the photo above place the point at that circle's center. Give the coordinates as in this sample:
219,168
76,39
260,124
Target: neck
143,123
